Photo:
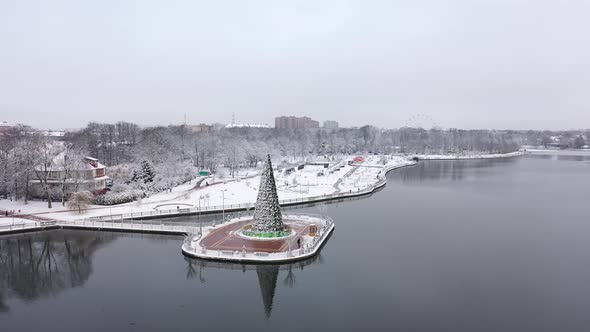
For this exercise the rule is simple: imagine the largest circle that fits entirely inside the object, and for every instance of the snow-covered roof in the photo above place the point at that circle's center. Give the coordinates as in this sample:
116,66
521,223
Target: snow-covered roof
5,124
58,163
94,163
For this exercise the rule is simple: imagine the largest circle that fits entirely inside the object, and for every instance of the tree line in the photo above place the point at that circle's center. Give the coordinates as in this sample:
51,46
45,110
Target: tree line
175,152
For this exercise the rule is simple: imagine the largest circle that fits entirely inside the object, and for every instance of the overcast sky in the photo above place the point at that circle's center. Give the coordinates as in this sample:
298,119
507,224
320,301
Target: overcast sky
456,63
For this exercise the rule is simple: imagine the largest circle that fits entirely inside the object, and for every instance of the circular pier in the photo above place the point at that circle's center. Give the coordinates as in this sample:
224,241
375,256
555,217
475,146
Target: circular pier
227,242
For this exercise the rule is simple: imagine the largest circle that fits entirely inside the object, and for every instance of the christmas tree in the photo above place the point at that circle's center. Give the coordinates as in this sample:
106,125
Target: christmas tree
267,216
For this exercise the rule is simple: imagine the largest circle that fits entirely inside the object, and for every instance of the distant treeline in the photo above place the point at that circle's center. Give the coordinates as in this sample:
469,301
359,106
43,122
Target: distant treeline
174,151
126,142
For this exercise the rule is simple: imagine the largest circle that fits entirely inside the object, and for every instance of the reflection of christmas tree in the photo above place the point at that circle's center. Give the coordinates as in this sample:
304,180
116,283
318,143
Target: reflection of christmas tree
267,216
267,278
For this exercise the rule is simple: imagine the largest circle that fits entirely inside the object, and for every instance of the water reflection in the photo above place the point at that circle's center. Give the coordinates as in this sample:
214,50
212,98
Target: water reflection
540,156
572,158
39,265
561,155
268,275
267,279
43,264
447,170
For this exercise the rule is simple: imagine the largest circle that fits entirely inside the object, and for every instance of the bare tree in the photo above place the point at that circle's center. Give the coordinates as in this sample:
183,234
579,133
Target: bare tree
44,166
71,166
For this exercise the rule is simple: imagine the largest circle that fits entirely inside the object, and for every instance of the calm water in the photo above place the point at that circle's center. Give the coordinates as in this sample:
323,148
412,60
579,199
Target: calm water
501,245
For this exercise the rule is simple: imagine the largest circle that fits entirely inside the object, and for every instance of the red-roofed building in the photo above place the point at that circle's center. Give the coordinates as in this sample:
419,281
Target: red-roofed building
90,175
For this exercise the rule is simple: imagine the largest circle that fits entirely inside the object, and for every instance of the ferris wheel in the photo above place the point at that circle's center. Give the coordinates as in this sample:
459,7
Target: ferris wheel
421,120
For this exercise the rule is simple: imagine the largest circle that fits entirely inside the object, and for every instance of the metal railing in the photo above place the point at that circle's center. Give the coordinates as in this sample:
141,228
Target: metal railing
28,225
131,226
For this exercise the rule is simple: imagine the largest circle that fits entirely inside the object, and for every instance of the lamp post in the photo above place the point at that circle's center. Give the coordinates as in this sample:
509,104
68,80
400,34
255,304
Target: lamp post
223,205
200,222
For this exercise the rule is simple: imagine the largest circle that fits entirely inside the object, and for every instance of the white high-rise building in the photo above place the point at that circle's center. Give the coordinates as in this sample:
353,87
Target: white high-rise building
329,124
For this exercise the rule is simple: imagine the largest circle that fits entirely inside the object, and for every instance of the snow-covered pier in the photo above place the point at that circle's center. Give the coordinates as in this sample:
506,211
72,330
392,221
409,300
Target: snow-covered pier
131,227
191,246
24,226
220,243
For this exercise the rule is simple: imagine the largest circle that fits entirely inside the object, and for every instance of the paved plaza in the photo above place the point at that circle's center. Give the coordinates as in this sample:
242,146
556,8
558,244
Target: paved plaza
225,238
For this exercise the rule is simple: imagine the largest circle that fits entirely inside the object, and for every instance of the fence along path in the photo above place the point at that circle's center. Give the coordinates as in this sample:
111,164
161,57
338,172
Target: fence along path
131,226
125,226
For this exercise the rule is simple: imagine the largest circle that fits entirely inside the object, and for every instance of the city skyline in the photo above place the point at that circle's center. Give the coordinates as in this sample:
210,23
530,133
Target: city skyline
424,122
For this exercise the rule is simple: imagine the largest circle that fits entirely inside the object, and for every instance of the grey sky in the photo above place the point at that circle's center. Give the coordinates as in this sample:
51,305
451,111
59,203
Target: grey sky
479,63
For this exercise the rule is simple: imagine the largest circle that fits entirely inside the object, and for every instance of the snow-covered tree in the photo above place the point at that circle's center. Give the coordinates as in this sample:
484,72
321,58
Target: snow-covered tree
44,162
70,162
148,171
144,174
79,200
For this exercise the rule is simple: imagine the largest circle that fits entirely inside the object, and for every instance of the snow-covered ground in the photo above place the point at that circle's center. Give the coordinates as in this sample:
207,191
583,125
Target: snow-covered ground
309,182
8,221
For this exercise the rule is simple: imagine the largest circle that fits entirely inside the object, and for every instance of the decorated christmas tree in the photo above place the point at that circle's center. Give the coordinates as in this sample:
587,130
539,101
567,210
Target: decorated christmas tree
267,216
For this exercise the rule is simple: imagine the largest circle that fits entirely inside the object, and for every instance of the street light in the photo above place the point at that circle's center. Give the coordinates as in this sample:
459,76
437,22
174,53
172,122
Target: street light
200,222
223,205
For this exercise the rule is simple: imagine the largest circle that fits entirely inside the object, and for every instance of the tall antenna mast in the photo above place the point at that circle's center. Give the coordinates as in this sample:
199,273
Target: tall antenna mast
233,118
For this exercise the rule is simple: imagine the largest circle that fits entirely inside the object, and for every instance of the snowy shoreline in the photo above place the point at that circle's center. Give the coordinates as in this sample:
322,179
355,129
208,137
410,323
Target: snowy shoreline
353,181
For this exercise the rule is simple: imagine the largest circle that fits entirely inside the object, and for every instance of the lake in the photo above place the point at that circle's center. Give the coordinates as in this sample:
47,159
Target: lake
494,245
